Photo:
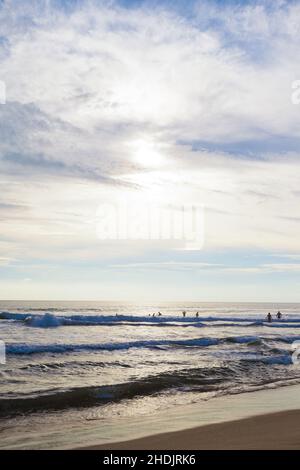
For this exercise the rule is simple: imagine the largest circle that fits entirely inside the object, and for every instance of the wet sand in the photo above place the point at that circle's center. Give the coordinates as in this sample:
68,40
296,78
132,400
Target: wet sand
270,432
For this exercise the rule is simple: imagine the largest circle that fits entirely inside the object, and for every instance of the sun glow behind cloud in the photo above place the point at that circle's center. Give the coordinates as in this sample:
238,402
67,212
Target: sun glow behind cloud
146,154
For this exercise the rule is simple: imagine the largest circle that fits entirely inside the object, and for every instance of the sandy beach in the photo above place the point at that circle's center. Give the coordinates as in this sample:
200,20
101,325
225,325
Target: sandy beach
265,419
265,432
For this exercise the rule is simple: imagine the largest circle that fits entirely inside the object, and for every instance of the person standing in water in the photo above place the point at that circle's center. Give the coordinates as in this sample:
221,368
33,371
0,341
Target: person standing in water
279,315
269,317
197,314
184,313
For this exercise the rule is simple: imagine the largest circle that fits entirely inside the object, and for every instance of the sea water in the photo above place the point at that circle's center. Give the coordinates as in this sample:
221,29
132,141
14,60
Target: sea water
74,365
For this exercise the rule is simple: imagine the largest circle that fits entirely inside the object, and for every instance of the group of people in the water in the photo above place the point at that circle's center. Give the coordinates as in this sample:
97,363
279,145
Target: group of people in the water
159,314
278,316
269,316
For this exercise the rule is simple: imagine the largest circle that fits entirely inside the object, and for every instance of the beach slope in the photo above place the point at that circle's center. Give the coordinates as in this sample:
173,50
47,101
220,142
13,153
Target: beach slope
270,432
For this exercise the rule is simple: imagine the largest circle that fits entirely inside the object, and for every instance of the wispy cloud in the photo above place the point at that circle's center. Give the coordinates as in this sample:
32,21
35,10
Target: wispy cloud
265,268
167,266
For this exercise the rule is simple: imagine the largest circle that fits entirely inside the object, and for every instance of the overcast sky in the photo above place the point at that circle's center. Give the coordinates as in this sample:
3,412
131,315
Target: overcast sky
150,103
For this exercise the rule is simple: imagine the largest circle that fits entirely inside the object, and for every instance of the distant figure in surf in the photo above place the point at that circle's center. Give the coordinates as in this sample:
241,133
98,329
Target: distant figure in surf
184,313
159,314
279,315
153,315
269,317
197,314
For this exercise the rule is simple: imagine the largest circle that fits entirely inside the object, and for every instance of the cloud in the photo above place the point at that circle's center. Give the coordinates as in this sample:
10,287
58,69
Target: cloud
282,267
38,145
181,80
180,77
184,266
292,256
96,92
5,261
166,266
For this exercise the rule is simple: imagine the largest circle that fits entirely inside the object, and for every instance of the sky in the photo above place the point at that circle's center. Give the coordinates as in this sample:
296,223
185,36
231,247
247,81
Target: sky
119,106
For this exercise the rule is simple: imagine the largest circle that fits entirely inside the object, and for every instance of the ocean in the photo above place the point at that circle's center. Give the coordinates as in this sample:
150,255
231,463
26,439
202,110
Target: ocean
71,365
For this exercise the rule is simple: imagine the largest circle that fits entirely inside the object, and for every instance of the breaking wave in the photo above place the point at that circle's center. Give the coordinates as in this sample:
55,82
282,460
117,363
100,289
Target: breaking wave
22,348
206,379
49,320
25,349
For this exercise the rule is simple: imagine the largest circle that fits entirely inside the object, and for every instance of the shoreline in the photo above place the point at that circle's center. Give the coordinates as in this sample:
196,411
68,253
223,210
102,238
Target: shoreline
264,419
258,419
274,431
